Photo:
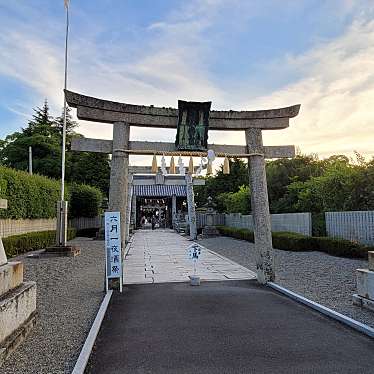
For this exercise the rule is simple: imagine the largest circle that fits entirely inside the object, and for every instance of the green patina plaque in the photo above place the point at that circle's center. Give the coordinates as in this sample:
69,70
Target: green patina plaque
193,123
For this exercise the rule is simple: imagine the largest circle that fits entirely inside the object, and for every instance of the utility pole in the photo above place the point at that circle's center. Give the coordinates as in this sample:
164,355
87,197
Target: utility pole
30,160
62,206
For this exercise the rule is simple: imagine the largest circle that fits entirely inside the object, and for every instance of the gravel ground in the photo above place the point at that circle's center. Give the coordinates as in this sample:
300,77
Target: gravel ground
326,279
69,293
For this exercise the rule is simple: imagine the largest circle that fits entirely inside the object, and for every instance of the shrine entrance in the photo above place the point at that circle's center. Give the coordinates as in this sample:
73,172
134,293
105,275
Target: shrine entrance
157,197
192,120
158,208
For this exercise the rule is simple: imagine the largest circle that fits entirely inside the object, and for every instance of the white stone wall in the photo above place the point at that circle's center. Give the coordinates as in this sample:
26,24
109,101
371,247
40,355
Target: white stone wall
293,222
9,227
355,226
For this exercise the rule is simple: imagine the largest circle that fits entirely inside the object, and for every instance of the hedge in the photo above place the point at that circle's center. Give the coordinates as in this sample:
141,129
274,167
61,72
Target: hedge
32,241
290,241
35,196
85,201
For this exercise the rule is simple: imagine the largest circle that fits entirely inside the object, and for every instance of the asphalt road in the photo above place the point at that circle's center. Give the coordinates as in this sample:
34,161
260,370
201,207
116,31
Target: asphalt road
223,327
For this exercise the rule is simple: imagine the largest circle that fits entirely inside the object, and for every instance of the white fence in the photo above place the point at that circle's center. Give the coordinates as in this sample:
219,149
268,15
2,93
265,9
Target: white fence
218,219
9,227
85,223
293,222
355,226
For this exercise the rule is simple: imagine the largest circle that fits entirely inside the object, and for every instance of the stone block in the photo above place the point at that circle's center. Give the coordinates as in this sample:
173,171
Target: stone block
371,260
3,259
363,302
365,283
16,307
61,251
11,276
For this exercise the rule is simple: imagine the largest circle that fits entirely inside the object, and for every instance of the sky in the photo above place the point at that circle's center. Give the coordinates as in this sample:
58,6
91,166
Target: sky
239,54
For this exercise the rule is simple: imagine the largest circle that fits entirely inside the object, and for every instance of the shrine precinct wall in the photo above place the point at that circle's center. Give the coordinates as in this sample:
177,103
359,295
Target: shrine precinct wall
357,226
10,227
300,223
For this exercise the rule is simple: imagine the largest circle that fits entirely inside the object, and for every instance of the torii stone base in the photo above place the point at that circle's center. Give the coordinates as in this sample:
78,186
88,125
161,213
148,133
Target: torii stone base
365,285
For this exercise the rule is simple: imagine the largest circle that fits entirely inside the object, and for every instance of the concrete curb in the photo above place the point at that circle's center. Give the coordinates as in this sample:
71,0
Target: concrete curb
81,363
361,327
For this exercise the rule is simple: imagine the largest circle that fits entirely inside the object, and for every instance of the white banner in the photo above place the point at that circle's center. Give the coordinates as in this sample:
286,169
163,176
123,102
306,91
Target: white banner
113,245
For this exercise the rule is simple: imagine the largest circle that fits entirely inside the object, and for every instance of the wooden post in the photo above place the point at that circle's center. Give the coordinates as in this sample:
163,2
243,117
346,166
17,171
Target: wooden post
260,207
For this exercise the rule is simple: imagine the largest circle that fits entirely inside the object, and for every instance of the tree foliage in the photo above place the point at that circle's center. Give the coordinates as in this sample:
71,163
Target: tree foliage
44,134
35,196
302,184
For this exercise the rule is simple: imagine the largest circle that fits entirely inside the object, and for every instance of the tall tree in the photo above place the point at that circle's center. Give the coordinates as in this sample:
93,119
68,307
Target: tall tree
44,135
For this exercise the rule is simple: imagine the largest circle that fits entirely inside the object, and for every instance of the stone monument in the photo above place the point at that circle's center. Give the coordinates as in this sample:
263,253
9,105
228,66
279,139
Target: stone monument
17,303
209,230
365,285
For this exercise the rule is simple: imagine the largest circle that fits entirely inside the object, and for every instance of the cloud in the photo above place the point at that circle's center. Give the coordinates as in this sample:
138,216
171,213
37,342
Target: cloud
334,80
336,93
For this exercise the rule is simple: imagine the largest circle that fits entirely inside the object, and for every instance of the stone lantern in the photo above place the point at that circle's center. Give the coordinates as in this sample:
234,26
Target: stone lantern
209,229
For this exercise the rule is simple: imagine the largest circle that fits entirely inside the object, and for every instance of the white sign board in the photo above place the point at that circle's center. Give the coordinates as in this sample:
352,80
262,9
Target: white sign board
113,246
194,251
3,204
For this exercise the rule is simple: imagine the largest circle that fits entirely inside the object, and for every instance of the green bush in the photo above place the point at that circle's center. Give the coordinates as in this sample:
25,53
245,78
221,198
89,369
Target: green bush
237,233
32,241
29,196
290,241
35,196
318,224
85,201
342,247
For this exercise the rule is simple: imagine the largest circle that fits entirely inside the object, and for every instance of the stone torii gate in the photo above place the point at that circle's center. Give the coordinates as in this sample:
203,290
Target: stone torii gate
123,116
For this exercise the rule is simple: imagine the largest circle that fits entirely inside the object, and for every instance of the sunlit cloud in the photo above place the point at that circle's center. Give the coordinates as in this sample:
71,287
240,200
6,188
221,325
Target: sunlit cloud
333,80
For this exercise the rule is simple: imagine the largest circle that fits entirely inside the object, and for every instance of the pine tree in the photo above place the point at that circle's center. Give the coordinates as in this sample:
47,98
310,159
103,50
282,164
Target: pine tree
71,125
41,123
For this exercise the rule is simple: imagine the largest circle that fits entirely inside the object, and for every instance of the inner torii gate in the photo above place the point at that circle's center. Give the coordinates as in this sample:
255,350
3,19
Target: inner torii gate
123,116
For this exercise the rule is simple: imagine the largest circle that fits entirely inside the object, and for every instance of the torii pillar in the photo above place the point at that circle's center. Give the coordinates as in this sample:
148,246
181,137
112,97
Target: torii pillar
119,172
260,206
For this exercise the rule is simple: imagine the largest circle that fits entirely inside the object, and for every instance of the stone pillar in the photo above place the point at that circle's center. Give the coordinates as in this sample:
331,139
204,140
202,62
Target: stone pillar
173,209
128,209
62,223
119,173
191,207
3,258
260,207
133,210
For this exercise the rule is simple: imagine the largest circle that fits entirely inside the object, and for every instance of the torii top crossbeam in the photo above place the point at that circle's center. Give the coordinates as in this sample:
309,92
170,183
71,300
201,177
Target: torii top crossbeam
99,110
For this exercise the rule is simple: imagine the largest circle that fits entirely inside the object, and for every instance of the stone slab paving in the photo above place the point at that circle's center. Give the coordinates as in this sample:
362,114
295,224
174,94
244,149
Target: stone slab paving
160,256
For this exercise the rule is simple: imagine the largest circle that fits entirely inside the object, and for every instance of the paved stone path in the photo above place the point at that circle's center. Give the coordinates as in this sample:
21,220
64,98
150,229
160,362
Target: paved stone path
160,256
